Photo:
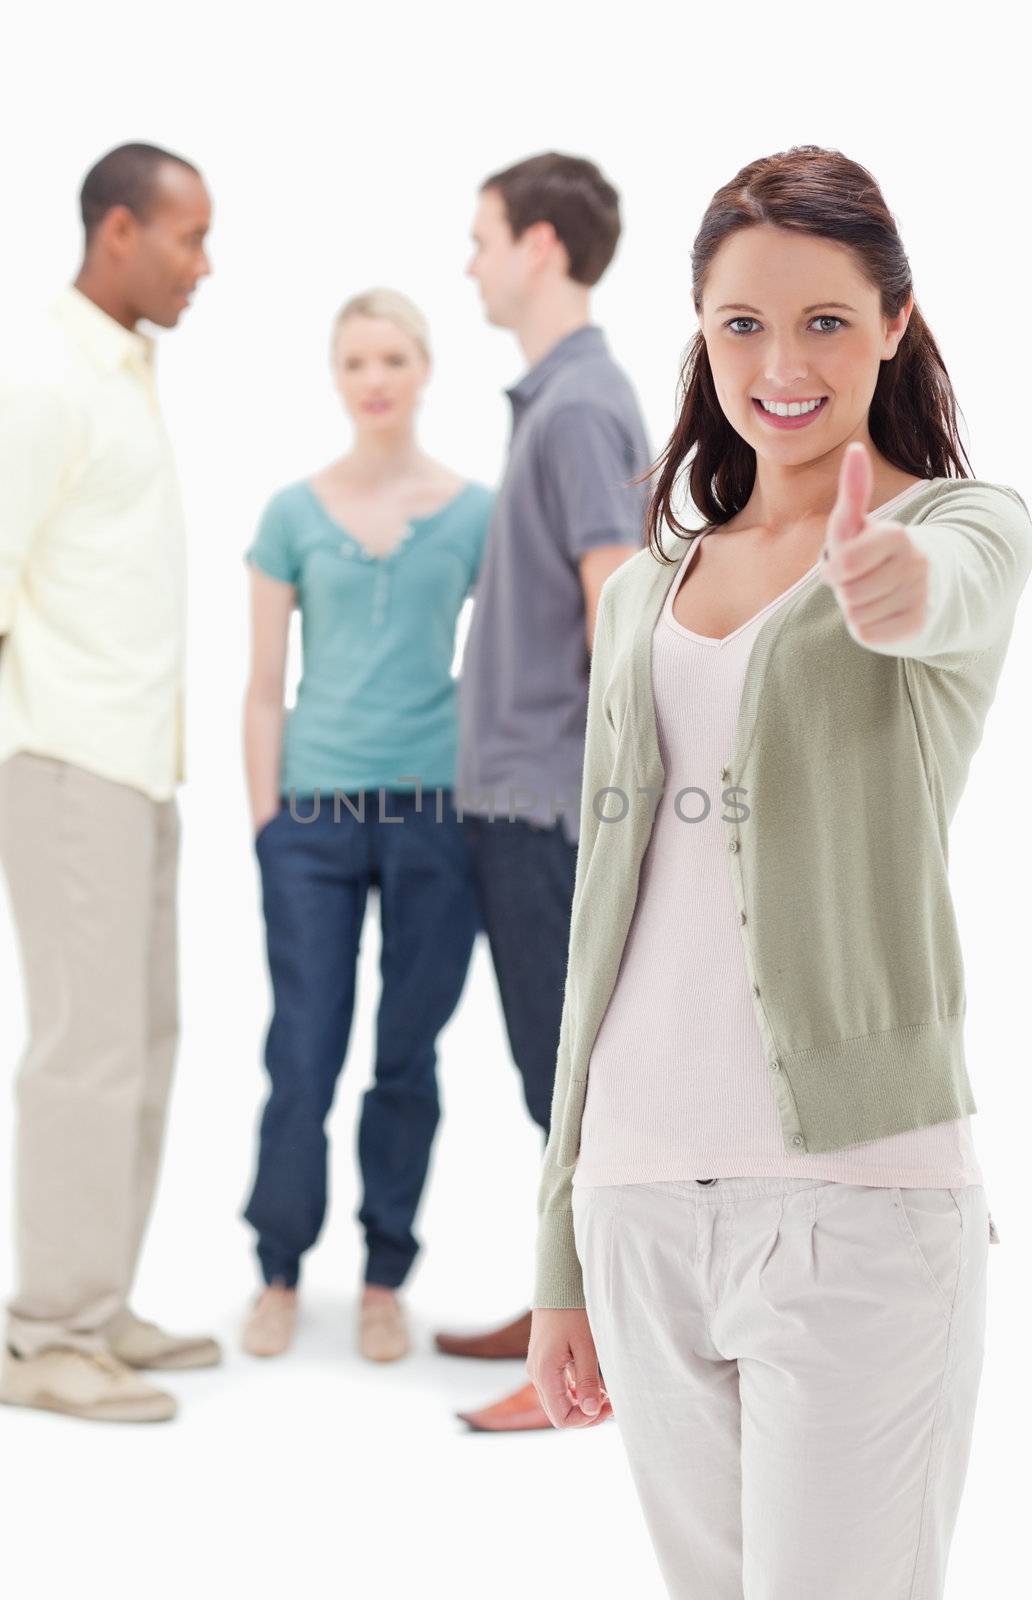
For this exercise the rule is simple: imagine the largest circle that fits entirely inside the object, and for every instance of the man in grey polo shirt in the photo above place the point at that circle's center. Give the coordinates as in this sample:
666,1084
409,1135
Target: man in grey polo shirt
565,516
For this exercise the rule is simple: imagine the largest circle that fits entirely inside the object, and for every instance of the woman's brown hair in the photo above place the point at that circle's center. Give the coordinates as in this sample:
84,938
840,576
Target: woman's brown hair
913,413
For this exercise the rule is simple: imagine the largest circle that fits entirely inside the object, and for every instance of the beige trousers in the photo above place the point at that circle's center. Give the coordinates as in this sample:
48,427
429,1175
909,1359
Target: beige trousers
91,871
794,1366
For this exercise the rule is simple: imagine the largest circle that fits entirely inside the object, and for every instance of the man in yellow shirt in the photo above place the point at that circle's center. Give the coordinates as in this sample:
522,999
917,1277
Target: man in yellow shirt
91,675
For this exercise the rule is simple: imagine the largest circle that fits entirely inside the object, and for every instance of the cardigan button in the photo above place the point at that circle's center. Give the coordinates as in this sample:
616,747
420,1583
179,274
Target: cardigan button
775,1066
755,988
797,1138
725,773
741,916
733,846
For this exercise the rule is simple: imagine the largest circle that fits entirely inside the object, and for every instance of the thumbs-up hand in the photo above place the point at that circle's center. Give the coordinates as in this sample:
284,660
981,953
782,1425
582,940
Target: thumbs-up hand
877,574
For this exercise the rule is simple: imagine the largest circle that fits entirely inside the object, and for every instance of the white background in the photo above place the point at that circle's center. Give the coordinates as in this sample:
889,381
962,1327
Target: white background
344,146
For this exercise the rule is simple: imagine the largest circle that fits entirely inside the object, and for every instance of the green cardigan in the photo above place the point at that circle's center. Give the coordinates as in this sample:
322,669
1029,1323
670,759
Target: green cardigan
852,758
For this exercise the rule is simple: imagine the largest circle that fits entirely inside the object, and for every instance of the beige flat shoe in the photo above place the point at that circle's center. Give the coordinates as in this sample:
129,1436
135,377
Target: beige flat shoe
145,1346
382,1333
94,1386
269,1329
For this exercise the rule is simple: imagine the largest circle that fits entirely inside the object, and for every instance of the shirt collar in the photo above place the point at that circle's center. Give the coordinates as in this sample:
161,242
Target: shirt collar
104,340
589,340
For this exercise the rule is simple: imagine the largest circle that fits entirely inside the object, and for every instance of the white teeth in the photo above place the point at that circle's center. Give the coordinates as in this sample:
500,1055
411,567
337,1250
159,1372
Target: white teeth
795,408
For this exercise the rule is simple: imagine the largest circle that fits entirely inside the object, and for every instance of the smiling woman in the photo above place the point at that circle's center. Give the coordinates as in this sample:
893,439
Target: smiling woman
761,1200
794,367
770,359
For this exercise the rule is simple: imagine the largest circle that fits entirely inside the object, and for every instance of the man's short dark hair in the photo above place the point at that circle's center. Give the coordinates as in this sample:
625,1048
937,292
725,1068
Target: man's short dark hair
126,176
571,194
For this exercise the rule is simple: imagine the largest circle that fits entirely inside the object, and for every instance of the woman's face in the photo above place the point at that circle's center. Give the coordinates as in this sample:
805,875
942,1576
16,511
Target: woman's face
790,318
380,372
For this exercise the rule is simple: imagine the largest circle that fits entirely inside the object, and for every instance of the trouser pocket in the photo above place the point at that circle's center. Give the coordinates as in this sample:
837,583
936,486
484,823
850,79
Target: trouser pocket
931,1224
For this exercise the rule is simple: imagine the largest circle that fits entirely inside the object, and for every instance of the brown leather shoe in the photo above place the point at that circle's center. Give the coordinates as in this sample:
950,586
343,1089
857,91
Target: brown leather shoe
517,1413
508,1343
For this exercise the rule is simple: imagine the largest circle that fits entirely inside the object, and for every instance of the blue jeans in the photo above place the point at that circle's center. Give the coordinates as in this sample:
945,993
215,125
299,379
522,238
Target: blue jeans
316,875
525,875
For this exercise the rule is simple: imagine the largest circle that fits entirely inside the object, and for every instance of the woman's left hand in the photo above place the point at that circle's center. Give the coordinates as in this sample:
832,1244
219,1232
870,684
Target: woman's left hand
877,574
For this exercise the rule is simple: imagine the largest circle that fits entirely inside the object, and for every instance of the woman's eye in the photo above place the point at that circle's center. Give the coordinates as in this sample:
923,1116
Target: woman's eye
837,320
733,324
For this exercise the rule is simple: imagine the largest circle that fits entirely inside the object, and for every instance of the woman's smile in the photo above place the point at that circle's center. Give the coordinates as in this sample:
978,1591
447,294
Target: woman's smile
789,413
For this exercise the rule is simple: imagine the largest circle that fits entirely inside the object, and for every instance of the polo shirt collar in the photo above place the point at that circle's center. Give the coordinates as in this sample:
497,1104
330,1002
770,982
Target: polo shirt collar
103,339
589,340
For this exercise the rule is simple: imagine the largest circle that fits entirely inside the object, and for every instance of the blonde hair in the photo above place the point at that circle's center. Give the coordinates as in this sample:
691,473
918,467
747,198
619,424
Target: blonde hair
393,307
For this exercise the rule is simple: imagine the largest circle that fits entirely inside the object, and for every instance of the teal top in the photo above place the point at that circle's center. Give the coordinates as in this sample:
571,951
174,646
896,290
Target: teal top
377,703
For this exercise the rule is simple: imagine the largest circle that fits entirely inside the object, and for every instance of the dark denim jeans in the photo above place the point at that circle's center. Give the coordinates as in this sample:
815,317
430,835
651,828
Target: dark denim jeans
525,874
315,879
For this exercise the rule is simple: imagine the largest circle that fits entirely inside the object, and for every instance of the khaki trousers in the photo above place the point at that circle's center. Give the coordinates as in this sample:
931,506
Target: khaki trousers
91,871
794,1367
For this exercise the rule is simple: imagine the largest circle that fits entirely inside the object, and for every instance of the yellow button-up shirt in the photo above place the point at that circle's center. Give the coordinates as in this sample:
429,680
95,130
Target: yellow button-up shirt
92,555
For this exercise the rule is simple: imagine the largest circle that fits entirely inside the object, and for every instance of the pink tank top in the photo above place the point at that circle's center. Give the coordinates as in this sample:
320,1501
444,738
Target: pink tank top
678,1086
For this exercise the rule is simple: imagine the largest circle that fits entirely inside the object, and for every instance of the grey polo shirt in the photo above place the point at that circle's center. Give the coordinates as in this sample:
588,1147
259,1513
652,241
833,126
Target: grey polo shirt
577,438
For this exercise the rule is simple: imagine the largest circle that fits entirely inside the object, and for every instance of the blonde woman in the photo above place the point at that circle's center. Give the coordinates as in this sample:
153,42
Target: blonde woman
353,790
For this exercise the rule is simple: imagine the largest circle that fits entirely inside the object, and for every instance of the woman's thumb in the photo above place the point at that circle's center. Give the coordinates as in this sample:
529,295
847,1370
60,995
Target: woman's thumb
589,1388
854,492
